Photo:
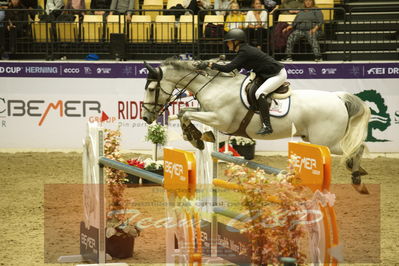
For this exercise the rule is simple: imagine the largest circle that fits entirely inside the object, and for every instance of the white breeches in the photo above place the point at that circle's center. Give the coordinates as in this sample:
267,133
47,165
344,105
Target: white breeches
271,84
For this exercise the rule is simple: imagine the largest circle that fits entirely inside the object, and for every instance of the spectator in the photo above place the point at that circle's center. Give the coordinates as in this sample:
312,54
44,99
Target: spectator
76,4
53,8
196,6
31,4
100,4
121,6
307,24
256,24
271,5
222,4
234,20
2,33
16,22
294,5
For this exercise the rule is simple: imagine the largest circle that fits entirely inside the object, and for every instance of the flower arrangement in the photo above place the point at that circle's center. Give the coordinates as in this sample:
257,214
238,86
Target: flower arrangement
117,219
241,141
275,206
157,134
148,164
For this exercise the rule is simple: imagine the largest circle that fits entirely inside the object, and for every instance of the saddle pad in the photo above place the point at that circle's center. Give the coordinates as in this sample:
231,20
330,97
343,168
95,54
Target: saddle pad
278,108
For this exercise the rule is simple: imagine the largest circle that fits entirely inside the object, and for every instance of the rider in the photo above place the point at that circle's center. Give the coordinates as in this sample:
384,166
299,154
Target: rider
264,66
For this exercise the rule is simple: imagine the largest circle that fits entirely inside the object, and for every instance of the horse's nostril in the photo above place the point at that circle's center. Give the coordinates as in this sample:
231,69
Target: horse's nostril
145,119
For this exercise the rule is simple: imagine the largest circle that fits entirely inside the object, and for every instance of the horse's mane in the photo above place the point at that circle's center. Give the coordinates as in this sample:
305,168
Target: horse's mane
188,65
178,64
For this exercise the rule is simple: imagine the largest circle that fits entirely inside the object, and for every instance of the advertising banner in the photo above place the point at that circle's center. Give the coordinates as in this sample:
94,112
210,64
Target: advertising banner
47,105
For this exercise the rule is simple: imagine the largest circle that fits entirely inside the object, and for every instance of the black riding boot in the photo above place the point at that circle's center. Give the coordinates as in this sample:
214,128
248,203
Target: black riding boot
264,106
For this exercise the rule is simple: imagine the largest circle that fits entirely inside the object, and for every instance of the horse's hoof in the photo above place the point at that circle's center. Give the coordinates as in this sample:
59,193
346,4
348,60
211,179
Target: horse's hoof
362,189
208,136
199,144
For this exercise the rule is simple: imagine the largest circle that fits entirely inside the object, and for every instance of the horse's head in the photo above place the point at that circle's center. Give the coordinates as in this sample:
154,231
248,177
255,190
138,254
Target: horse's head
161,82
157,93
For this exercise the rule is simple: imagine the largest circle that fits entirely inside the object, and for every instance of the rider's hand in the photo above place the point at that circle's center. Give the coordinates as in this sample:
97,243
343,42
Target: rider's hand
202,65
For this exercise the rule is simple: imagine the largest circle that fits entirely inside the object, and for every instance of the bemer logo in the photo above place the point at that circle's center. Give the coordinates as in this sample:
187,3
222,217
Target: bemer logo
36,107
88,241
305,162
174,169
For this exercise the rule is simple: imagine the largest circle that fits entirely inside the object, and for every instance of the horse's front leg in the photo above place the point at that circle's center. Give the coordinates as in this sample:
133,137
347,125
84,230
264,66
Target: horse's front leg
191,132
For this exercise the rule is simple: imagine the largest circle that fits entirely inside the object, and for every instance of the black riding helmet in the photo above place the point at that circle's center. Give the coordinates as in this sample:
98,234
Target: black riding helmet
235,35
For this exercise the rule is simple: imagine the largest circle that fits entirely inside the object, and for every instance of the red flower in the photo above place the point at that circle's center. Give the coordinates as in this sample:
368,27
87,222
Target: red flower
136,163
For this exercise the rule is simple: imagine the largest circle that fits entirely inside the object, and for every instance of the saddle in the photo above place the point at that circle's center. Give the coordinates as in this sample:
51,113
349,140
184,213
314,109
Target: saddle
282,92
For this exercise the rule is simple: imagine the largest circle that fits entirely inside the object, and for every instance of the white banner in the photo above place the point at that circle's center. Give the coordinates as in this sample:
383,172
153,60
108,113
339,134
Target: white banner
52,112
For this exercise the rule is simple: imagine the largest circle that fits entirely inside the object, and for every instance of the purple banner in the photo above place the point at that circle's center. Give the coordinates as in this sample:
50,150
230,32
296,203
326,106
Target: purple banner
137,70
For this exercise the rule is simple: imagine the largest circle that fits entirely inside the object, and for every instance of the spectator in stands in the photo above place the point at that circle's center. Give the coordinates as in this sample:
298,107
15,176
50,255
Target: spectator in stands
196,5
76,4
222,4
293,5
30,4
271,5
2,33
16,22
53,8
256,24
307,24
100,4
121,6
234,20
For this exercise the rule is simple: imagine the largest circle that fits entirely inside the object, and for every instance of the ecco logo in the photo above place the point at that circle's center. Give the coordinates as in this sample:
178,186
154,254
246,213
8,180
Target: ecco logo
296,71
71,70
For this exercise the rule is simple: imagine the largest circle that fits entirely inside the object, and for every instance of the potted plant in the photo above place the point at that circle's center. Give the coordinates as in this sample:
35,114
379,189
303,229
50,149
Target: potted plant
146,164
120,234
158,135
244,146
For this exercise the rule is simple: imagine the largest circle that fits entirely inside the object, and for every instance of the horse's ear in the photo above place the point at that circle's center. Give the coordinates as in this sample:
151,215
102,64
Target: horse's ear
152,72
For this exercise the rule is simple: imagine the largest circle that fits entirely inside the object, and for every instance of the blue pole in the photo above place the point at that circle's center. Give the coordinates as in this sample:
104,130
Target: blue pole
250,164
132,170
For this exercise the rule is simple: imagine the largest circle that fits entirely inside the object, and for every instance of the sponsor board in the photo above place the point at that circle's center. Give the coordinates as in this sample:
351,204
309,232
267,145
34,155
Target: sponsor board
138,70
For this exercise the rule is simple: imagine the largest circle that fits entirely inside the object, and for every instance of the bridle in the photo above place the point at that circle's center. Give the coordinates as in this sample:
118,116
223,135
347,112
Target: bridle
156,74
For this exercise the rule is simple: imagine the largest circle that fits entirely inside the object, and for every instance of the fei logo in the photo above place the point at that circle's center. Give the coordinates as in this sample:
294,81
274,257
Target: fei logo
380,118
143,71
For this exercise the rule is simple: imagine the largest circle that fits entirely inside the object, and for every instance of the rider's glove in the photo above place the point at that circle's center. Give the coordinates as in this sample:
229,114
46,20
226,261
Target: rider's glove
202,65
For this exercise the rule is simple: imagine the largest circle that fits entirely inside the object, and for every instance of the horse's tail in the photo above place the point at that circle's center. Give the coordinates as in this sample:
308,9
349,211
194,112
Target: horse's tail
356,131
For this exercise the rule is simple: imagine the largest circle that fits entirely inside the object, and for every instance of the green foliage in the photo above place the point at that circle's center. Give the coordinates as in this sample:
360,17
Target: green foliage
157,134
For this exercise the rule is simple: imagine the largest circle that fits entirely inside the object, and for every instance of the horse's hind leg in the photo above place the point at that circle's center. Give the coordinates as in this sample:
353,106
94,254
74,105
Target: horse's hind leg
353,164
